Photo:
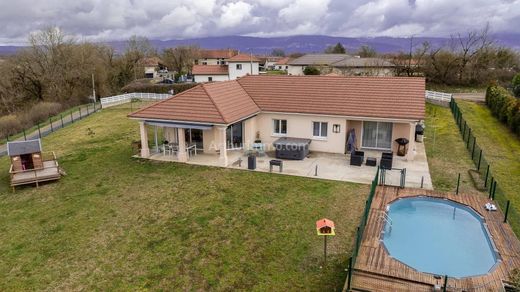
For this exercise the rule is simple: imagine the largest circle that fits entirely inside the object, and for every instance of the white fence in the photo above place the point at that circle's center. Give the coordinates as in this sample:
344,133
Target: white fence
124,98
438,96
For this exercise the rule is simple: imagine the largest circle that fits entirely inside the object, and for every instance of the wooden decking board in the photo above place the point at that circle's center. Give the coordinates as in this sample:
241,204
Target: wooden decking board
376,270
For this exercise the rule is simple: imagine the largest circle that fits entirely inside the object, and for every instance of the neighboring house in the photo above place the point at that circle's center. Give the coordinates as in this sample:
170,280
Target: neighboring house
238,66
231,115
268,62
321,61
363,67
151,65
282,64
209,73
215,57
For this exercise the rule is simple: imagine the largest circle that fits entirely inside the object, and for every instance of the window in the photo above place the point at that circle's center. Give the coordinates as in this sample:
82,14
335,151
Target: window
319,129
210,79
239,66
377,135
204,63
280,127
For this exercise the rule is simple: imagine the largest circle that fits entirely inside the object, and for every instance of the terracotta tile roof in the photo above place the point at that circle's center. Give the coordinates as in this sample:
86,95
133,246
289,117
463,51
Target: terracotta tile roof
283,61
379,97
243,58
150,61
228,101
209,70
219,102
218,54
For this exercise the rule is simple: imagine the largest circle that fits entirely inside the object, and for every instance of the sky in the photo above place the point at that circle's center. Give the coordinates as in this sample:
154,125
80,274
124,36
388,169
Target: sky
106,20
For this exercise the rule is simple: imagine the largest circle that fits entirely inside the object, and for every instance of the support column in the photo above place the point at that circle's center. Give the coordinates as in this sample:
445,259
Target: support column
145,151
410,155
182,156
156,139
223,159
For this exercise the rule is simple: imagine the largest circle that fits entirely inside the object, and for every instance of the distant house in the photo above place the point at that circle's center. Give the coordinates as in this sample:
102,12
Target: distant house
237,66
215,57
233,114
282,64
341,64
152,65
268,62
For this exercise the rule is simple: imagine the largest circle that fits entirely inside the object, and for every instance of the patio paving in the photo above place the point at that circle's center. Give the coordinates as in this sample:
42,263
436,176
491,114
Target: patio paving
326,166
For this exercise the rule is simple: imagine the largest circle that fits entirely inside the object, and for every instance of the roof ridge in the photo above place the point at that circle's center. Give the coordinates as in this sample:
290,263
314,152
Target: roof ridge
214,103
248,94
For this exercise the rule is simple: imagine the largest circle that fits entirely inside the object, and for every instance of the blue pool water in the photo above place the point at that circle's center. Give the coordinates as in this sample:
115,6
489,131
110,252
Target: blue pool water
438,236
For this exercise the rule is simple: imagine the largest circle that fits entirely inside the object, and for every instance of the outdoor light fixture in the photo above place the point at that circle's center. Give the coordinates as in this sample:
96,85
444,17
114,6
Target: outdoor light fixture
336,128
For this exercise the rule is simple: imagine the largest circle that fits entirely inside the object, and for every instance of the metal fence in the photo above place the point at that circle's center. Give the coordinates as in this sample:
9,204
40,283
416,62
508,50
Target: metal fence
484,168
51,125
127,97
361,230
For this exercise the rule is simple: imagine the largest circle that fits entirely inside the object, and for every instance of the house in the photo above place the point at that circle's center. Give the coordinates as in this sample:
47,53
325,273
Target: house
363,67
282,64
237,66
151,65
268,62
321,61
224,116
214,57
29,165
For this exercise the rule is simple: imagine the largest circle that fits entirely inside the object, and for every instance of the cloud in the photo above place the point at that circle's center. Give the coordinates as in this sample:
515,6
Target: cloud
167,19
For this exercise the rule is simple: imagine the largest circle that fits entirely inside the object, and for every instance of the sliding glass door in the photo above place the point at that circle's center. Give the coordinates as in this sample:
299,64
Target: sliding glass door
234,136
377,135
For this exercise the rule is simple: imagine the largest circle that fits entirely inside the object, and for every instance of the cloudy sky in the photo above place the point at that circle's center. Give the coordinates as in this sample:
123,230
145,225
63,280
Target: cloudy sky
169,19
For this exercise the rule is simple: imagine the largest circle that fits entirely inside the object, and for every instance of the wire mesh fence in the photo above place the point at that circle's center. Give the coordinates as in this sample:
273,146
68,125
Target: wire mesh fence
489,182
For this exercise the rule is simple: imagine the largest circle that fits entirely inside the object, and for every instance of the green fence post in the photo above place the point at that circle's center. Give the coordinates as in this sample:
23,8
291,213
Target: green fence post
445,283
39,132
494,190
479,160
469,136
458,184
24,136
473,149
61,118
50,121
487,174
507,211
350,268
491,186
71,118
464,132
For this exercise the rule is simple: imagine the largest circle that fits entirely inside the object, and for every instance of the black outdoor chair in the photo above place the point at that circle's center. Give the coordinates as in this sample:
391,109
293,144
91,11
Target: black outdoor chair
357,158
386,160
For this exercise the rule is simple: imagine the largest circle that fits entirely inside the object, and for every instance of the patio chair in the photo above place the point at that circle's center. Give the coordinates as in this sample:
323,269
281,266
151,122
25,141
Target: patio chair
166,149
357,158
386,160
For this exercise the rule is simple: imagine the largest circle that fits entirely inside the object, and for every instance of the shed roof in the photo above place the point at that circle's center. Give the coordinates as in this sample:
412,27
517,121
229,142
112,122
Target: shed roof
243,58
16,148
324,222
209,70
318,59
217,54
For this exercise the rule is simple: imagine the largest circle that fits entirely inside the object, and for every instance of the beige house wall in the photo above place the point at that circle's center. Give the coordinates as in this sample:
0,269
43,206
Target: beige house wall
374,71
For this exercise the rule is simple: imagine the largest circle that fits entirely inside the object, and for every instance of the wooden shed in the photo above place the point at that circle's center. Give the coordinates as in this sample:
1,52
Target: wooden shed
29,165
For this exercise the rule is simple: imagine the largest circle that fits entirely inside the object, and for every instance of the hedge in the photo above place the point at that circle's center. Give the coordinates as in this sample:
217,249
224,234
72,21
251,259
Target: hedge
516,85
504,106
157,88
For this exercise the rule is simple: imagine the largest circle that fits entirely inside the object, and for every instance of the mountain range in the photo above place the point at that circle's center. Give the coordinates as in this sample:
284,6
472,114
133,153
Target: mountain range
300,43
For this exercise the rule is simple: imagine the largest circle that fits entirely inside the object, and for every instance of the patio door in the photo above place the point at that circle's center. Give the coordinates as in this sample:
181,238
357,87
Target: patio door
235,136
194,136
377,135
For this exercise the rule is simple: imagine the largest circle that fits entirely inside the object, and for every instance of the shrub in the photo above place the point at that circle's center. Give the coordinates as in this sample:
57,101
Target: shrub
311,71
515,84
42,111
157,88
504,106
10,125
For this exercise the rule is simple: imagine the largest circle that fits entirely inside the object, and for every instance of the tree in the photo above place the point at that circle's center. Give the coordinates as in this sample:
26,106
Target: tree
309,70
336,49
137,48
180,59
278,52
516,85
366,51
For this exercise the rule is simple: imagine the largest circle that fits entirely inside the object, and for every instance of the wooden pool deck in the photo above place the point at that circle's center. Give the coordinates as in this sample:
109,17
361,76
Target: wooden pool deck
376,270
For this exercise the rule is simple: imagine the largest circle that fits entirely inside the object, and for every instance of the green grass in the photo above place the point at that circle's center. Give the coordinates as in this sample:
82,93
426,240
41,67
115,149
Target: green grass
446,152
500,146
119,223
455,88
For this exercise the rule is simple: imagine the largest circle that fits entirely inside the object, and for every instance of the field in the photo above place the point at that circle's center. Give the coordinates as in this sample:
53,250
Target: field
446,152
118,223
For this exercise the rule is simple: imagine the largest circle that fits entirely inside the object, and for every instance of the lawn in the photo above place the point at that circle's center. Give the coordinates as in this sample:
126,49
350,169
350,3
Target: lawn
118,223
446,152
500,146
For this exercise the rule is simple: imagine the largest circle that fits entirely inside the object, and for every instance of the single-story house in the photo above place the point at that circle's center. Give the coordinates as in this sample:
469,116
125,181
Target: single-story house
230,115
237,66
214,57
321,61
282,64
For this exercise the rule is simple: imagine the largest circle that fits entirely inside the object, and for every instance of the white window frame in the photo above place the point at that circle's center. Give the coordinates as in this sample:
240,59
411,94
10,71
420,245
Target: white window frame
320,137
376,148
279,121
238,66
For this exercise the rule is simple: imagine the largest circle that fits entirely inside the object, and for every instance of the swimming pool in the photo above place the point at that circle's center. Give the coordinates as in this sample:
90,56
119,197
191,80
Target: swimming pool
438,236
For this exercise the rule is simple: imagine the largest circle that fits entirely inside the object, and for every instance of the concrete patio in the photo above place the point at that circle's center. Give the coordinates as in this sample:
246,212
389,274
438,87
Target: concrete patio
323,166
